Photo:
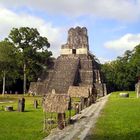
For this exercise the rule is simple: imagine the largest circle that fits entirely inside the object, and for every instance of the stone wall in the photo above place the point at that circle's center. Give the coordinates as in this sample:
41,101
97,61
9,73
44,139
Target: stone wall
67,51
64,74
79,91
78,40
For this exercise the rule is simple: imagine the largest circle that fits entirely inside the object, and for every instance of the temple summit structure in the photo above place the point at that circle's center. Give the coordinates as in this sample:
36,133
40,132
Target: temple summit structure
74,69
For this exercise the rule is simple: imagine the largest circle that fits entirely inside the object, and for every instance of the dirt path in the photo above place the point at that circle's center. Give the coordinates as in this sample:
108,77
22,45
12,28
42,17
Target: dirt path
80,129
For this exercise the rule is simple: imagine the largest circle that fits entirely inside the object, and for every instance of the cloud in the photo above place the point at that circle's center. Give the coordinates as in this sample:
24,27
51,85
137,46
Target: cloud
122,10
126,42
10,19
104,60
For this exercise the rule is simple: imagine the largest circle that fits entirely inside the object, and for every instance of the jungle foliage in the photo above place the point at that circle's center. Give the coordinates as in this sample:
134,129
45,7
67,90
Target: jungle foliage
22,57
123,73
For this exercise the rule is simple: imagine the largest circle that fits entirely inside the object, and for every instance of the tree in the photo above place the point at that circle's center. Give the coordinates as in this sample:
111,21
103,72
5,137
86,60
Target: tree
29,42
7,60
122,73
110,74
135,60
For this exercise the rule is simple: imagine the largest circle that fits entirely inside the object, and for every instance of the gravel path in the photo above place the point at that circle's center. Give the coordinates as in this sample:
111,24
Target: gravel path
84,122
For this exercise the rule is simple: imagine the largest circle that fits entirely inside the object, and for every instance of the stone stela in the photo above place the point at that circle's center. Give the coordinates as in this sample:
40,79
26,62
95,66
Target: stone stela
137,88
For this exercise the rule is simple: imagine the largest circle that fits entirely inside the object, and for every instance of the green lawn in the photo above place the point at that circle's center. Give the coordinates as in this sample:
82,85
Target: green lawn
26,125
119,120
21,125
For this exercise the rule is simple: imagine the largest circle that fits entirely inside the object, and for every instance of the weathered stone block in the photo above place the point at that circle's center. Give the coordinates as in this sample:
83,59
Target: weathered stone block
9,108
124,94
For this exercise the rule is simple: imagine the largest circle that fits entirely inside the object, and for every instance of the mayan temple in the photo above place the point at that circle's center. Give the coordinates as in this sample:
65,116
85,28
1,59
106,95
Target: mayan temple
74,68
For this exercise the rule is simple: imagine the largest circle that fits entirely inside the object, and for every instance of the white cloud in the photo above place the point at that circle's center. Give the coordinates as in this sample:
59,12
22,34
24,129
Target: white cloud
9,19
126,42
104,60
124,10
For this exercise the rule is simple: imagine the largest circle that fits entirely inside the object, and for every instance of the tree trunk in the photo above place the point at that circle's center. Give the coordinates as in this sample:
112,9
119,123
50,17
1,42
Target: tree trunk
3,89
24,80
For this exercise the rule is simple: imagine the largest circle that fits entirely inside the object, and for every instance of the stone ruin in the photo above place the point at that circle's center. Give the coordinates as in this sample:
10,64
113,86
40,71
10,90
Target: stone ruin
137,88
76,66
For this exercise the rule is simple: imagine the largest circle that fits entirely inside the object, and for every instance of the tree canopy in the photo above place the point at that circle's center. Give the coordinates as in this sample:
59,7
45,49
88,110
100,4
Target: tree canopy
7,61
122,73
24,52
29,42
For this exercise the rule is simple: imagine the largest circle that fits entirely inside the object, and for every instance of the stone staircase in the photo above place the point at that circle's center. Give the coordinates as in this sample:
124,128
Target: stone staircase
86,71
64,73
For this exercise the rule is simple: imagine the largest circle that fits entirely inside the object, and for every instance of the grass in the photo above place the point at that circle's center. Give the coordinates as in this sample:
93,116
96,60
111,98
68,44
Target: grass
26,125
119,120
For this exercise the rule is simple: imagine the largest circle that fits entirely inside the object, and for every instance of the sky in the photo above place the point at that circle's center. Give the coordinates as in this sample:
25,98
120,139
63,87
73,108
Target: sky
113,25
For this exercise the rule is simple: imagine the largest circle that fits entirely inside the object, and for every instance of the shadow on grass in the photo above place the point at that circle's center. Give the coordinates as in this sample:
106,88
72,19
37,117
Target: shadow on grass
129,136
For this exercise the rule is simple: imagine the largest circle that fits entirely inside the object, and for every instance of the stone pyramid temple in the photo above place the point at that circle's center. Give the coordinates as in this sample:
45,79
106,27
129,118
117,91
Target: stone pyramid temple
75,67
